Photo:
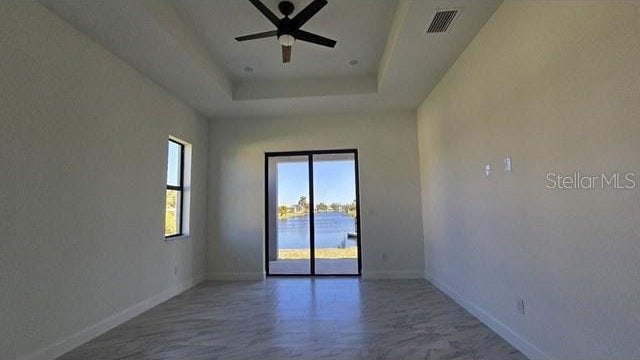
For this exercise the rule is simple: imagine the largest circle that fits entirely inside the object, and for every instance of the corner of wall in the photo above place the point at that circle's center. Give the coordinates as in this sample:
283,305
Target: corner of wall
511,336
69,343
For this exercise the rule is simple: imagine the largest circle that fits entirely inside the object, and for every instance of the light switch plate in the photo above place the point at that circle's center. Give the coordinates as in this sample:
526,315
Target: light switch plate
507,164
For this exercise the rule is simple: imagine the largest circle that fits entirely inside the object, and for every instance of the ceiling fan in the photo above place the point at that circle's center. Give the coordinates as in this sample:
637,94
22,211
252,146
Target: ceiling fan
288,29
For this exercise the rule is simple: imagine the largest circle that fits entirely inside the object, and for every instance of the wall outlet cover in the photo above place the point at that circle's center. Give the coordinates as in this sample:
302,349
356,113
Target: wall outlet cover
507,164
520,306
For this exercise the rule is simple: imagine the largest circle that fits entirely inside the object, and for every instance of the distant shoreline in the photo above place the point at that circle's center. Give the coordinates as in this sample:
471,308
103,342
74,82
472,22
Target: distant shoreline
320,253
296,215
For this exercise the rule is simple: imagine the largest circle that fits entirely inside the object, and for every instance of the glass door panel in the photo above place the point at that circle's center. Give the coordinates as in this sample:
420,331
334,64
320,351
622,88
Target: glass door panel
335,217
288,204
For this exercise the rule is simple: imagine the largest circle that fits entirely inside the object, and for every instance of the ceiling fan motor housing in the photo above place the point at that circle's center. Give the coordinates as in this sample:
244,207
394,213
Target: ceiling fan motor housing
286,27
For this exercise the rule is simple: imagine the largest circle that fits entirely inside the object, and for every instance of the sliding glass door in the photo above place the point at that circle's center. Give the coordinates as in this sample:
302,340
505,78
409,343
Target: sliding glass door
312,218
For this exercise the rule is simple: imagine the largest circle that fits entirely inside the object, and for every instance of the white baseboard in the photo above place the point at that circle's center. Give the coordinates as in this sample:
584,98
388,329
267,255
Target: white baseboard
513,338
63,346
258,276
373,275
236,276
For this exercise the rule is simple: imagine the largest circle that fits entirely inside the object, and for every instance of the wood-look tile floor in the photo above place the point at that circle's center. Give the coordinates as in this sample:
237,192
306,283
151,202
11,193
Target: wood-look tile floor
302,318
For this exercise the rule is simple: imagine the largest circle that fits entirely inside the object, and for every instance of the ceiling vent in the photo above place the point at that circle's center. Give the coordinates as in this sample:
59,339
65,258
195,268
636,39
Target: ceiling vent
441,21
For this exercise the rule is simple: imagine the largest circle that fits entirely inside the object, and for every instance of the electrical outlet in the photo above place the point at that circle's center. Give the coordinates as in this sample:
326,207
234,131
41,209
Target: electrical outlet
175,270
487,170
520,306
507,164
384,257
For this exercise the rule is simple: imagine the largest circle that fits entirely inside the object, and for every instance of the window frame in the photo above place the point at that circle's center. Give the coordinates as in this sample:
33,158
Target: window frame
179,188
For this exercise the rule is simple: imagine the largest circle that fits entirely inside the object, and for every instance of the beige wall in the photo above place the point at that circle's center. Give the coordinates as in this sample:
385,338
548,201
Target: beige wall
83,169
392,243
556,86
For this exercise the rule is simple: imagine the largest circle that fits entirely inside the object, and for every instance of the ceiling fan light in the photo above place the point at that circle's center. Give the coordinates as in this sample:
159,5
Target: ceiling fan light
286,40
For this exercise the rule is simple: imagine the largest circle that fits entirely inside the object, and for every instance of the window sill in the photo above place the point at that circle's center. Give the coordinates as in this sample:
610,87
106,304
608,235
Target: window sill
177,237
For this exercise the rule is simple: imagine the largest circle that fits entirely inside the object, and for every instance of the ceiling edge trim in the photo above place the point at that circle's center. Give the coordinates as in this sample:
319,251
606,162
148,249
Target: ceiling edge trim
392,39
168,17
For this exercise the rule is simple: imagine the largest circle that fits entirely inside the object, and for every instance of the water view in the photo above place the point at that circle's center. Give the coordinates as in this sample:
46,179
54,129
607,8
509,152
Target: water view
331,229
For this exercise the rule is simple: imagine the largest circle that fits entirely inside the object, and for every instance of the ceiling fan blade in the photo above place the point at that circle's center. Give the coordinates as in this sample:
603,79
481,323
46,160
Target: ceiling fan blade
314,39
265,11
261,35
286,54
307,13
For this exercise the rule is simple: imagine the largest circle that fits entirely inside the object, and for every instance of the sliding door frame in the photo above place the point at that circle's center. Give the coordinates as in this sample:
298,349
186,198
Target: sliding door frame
310,154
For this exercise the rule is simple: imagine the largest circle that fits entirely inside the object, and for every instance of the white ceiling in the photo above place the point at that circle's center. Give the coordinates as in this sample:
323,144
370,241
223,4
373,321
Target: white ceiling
360,26
188,47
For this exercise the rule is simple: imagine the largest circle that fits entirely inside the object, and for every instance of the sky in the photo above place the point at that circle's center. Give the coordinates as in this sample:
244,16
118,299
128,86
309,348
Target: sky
173,169
334,181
